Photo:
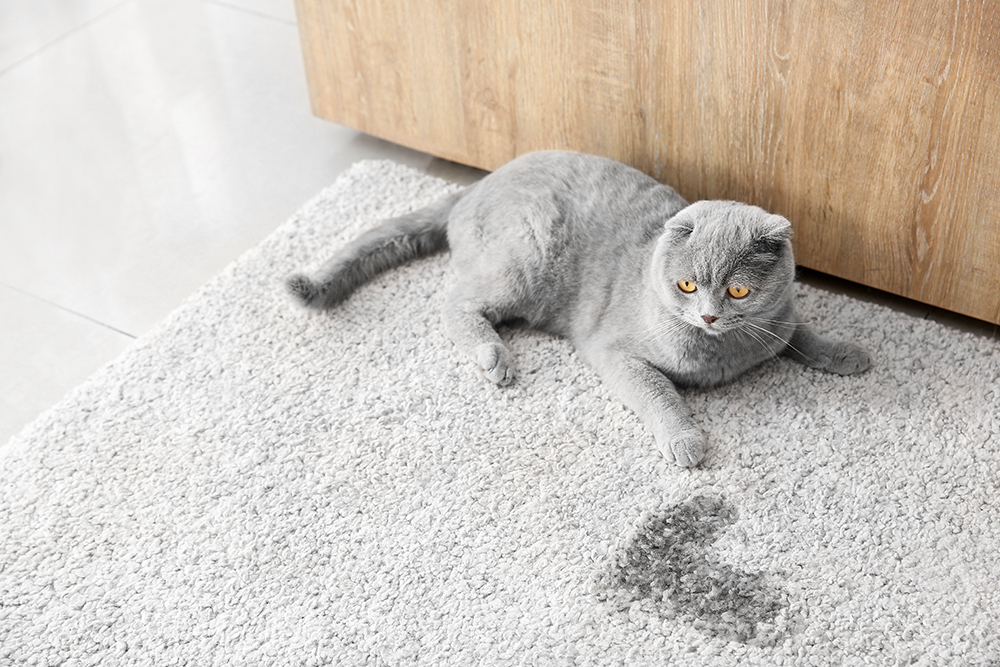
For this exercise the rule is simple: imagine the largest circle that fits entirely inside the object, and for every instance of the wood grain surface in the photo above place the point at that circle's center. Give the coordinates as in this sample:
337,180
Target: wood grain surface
873,126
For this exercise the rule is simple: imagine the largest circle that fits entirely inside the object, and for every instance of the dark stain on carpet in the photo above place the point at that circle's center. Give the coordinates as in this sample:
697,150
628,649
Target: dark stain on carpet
670,566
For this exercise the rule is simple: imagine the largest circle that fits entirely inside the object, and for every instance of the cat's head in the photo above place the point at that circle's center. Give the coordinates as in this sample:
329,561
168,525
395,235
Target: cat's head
719,263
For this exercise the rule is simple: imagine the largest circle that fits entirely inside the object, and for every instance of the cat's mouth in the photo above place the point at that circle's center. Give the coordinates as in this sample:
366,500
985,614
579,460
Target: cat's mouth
712,328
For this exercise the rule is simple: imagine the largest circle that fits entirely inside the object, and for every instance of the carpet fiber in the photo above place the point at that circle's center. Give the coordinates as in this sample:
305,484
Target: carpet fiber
253,483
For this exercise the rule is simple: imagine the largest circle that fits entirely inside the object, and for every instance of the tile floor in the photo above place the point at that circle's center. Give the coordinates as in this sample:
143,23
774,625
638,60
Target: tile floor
144,144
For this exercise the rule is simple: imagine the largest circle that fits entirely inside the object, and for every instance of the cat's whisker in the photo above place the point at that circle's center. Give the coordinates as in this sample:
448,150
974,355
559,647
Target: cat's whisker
770,351
766,320
757,327
659,330
652,335
742,340
786,342
757,340
775,353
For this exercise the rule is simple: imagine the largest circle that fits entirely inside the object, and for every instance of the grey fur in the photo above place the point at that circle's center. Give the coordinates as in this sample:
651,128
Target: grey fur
390,244
591,249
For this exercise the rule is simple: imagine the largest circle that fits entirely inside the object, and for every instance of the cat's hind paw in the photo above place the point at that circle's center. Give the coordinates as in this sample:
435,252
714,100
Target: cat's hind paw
848,359
495,363
687,448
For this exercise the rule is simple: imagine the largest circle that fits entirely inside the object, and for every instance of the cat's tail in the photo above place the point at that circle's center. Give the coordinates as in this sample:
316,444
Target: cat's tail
394,242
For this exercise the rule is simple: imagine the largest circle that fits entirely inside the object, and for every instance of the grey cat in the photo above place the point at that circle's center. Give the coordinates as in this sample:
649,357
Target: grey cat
654,293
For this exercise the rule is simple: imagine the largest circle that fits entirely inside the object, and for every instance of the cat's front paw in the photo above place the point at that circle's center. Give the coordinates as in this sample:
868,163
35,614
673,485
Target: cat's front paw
495,363
848,359
686,448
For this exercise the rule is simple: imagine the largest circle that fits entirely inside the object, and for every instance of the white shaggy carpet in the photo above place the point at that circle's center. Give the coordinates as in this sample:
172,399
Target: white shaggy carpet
255,484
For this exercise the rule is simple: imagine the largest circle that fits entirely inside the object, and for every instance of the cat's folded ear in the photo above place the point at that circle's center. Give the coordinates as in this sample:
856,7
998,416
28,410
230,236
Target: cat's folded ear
679,227
776,232
779,225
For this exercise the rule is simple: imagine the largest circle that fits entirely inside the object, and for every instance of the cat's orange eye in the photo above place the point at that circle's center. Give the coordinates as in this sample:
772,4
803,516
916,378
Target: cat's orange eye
686,286
738,291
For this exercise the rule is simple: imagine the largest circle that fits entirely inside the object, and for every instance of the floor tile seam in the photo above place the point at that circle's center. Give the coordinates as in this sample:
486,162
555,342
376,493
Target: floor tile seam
67,310
69,33
251,12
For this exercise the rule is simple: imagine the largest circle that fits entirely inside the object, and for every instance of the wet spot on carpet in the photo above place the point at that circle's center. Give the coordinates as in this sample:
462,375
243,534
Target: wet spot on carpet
670,567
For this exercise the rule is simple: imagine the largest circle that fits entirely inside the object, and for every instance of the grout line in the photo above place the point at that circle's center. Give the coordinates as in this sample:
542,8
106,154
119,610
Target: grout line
68,33
220,3
67,310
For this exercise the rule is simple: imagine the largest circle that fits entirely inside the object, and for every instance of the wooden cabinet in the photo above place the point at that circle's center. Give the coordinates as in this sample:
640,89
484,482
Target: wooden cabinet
873,126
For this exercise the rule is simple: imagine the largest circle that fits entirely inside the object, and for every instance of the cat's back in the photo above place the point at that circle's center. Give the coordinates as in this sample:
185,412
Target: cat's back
550,198
574,181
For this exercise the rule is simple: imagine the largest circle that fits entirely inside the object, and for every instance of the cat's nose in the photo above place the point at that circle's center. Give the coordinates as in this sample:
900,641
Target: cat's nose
709,318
